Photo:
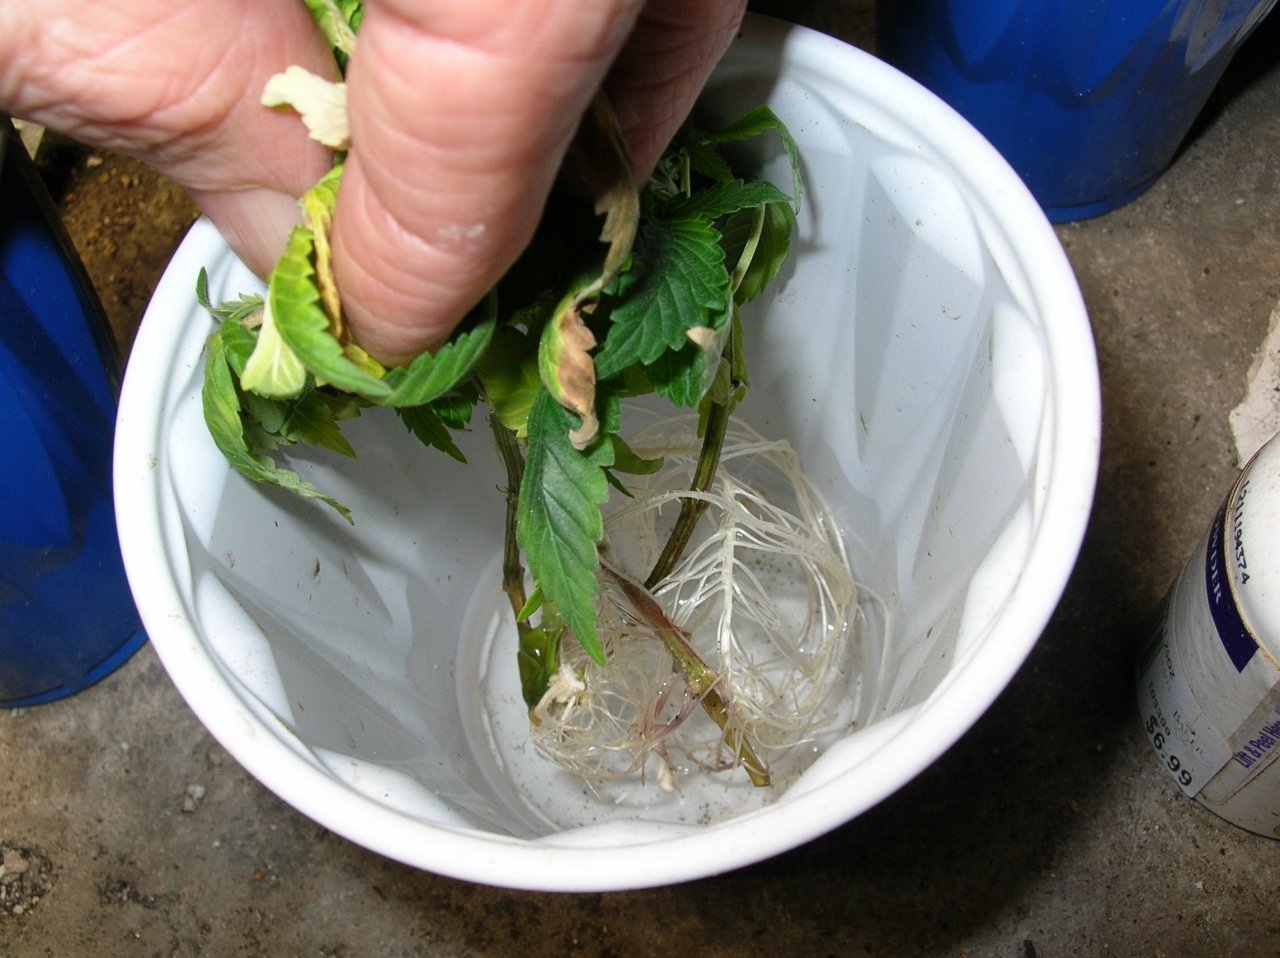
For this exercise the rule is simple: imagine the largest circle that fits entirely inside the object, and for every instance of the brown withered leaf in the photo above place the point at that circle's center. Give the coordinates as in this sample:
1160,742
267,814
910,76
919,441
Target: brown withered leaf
600,164
578,377
568,370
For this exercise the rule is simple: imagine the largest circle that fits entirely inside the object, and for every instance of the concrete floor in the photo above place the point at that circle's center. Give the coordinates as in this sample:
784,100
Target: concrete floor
1049,830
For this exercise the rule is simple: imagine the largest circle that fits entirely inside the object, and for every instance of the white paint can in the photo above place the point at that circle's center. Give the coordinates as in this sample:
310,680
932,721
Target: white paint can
1209,680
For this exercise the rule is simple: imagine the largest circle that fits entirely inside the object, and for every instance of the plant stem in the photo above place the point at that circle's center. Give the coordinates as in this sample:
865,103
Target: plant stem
538,653
704,474
703,680
512,569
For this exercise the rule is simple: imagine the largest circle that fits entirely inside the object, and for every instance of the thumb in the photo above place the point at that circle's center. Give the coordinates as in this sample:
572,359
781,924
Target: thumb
460,117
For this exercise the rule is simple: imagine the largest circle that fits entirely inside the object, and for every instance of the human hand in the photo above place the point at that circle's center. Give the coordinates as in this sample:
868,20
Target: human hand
461,115
177,86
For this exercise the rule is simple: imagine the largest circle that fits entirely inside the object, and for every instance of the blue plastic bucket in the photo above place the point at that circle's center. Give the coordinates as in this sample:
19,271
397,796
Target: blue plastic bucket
67,618
1088,100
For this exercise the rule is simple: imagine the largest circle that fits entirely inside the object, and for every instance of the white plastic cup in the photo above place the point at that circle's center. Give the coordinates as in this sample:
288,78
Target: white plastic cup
1209,686
926,352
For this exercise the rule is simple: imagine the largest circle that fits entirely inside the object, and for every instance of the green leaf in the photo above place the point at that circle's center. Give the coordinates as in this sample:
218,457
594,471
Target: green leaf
682,376
625,459
221,401
508,373
677,281
238,340
705,160
756,122
334,18
538,659
294,300
758,241
430,376
455,407
247,307
311,419
531,605
430,430
266,416
558,519
202,289
723,198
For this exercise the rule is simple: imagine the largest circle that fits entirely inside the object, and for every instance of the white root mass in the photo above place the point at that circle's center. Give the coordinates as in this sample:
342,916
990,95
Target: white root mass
764,593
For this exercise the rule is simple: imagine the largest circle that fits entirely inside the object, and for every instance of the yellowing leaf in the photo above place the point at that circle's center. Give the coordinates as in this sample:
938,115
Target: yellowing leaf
294,297
705,336
317,209
321,103
273,369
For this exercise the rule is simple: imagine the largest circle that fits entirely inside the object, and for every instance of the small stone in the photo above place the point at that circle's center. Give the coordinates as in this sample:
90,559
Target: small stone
192,798
14,864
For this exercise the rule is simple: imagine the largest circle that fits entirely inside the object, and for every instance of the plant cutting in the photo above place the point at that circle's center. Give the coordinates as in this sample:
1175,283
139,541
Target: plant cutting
365,672
680,594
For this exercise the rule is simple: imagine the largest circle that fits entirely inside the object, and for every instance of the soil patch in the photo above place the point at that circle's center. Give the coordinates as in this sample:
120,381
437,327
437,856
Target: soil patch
124,220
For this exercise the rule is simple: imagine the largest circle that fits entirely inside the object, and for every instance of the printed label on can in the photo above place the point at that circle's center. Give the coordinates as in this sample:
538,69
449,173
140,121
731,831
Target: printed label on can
1236,639
1188,745
1254,748
1209,693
